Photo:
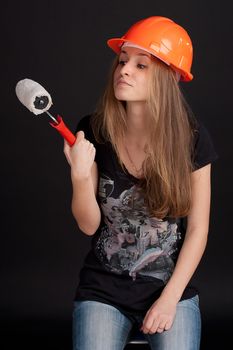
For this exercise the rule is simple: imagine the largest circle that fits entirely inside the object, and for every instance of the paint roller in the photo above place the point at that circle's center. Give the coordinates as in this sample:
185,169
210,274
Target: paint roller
33,96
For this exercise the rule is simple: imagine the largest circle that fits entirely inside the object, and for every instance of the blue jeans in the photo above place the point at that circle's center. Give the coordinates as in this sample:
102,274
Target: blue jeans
98,326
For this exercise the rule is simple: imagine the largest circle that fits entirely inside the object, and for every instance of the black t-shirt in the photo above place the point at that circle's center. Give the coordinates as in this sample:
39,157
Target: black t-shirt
133,254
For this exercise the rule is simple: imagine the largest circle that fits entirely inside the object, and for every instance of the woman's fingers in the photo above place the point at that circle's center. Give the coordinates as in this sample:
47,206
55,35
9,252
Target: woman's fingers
168,325
156,322
158,328
81,155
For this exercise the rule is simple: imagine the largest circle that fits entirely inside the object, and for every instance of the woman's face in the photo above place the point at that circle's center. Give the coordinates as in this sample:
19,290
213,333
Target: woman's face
131,77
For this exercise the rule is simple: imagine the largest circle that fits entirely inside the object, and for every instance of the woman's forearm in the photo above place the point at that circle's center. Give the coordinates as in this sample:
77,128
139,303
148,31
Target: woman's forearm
196,235
188,260
84,205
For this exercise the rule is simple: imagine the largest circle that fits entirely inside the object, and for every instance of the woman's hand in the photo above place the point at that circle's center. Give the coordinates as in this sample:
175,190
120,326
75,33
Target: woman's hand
80,156
159,317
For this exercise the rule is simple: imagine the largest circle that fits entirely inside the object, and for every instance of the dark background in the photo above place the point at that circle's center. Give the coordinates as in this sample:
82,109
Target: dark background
62,45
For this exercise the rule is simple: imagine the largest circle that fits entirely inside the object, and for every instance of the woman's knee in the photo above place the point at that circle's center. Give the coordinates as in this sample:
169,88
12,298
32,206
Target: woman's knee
99,326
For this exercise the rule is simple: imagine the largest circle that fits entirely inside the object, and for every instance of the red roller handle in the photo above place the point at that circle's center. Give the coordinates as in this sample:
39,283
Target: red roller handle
63,130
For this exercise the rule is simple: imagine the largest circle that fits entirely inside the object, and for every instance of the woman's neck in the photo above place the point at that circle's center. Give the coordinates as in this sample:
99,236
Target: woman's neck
137,123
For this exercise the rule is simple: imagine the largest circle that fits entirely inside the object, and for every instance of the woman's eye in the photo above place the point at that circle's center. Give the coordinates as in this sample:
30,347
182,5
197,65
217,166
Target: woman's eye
141,66
121,62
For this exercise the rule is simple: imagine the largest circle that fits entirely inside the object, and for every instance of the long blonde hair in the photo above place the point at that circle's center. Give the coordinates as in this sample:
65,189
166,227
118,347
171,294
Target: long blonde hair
166,182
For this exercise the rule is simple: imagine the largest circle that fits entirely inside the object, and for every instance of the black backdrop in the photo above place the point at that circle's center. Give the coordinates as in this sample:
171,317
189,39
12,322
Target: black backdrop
62,45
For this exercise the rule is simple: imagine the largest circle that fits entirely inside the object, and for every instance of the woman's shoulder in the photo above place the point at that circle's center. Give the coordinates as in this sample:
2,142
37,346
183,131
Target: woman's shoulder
84,124
203,146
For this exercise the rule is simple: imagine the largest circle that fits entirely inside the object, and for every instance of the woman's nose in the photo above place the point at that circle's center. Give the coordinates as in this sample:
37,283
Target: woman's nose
126,69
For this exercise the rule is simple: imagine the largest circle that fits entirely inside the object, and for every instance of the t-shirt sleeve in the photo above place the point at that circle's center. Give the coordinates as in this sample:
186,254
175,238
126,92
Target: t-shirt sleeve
204,151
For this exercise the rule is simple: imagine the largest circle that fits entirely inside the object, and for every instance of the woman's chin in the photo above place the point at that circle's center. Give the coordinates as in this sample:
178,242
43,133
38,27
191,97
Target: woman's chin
121,96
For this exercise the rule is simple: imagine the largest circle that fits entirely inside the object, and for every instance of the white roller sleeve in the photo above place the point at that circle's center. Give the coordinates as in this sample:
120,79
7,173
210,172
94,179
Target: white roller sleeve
27,91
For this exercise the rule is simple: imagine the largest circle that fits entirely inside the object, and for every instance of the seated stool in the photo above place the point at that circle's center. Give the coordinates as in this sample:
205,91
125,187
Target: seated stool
137,338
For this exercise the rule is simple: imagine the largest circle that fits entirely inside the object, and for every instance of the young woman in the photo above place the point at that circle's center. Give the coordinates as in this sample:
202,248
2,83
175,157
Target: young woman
140,170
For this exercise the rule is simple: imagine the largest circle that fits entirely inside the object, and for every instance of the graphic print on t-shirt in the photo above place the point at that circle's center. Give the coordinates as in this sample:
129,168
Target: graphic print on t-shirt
132,241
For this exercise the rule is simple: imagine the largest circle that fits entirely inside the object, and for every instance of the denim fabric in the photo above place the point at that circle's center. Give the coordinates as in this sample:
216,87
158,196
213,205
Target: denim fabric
99,326
185,332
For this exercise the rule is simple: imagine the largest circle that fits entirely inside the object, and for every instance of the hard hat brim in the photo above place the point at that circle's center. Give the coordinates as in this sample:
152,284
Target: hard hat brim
116,43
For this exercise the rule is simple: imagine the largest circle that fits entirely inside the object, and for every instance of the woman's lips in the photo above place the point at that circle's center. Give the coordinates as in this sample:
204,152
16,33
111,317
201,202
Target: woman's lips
122,82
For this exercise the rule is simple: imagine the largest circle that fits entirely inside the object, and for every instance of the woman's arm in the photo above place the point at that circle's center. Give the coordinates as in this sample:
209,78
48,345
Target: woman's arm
162,312
84,176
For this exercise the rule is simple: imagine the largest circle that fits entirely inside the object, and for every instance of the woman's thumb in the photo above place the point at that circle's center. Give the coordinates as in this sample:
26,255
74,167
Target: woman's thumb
80,136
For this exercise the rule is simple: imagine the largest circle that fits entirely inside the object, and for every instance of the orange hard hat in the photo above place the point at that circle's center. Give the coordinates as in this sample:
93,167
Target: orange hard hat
164,39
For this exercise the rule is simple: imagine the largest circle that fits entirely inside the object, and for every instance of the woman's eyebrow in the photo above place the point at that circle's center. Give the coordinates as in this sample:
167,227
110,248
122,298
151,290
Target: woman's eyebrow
138,54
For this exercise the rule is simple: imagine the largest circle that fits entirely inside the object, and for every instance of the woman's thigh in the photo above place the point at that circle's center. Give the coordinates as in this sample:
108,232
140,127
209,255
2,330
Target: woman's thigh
99,326
185,332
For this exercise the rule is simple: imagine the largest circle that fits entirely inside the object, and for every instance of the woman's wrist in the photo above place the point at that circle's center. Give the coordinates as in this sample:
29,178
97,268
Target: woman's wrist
81,177
171,293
